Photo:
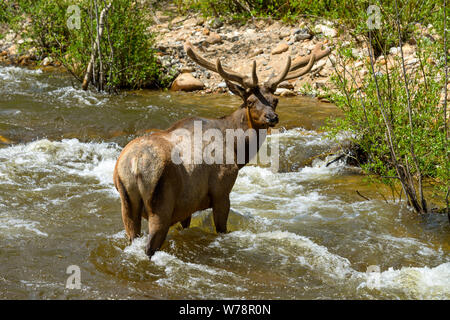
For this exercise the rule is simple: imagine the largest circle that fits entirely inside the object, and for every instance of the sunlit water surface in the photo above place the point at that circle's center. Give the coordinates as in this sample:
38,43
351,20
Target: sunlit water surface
300,233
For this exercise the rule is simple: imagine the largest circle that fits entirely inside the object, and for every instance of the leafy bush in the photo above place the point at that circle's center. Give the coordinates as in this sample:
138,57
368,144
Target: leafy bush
4,8
377,110
127,57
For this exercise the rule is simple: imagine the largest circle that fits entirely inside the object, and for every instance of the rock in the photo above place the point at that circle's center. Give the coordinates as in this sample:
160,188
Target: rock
325,30
394,50
186,69
222,85
381,61
378,74
178,19
408,49
250,33
319,65
357,53
3,53
301,36
286,85
429,60
161,17
186,82
280,48
359,64
12,50
320,84
47,61
364,72
200,21
216,23
205,31
234,38
284,34
282,92
299,30
411,61
214,38
256,52
324,100
24,60
10,37
288,93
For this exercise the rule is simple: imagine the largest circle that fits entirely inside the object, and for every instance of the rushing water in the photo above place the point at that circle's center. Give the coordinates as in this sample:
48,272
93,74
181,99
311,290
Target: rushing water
302,233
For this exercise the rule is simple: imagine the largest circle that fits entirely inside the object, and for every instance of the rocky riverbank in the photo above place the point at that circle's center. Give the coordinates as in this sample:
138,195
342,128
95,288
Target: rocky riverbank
266,41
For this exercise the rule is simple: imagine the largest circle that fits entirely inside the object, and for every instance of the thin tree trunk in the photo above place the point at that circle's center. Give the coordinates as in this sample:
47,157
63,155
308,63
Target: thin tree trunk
95,51
423,203
111,54
445,100
389,133
99,47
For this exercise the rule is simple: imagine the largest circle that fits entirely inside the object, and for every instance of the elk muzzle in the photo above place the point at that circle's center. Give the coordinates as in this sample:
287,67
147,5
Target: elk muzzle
271,119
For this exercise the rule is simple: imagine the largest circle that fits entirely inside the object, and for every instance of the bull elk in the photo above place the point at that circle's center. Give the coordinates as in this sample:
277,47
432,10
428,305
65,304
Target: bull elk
153,186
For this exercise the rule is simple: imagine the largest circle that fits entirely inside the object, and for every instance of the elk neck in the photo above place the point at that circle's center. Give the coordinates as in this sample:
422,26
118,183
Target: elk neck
241,119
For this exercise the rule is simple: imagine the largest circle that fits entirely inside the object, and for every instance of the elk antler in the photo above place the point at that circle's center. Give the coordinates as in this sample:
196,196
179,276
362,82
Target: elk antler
290,71
230,75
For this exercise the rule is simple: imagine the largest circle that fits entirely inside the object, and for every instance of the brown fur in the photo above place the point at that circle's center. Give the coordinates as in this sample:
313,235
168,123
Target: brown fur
152,186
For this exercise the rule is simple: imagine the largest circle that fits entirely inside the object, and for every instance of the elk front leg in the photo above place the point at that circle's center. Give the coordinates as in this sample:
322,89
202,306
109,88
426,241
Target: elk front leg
221,208
186,222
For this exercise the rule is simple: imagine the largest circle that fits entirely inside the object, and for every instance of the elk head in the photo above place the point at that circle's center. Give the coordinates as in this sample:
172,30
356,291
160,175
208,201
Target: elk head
259,99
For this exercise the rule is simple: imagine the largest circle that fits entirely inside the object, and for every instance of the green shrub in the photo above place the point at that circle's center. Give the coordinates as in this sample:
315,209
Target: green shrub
127,55
363,109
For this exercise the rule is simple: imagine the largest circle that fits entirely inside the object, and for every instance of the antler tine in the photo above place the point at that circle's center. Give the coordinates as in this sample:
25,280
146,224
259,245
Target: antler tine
291,72
301,72
225,73
275,82
318,52
198,58
254,75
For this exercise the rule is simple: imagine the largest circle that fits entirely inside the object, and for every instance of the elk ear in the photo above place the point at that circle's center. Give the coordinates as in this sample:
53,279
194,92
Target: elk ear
237,90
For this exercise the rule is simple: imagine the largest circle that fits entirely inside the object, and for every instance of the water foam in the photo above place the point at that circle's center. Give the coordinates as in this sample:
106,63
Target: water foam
59,158
10,73
412,282
407,282
79,97
10,226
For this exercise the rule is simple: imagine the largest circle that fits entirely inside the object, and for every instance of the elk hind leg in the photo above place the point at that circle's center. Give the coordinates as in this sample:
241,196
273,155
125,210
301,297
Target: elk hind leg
159,217
131,213
131,218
